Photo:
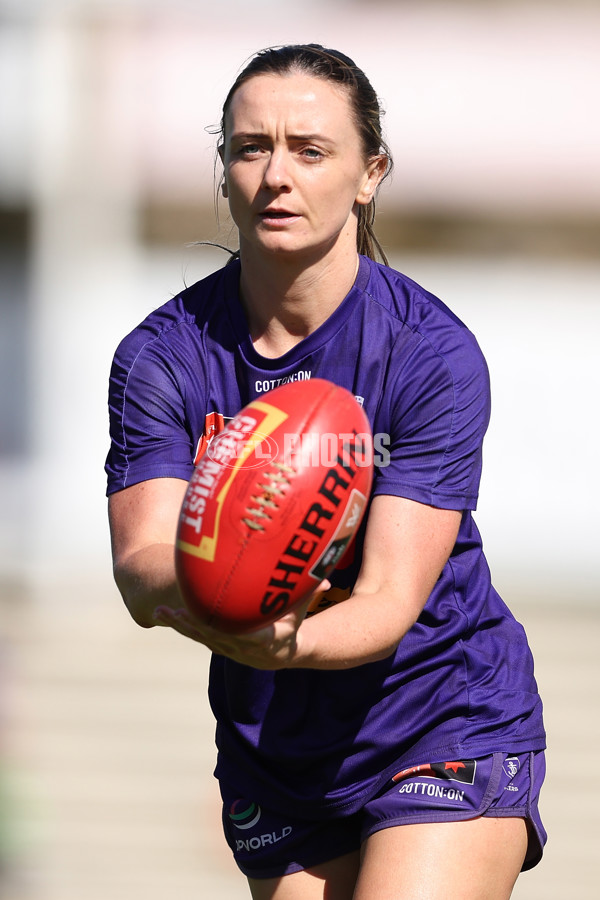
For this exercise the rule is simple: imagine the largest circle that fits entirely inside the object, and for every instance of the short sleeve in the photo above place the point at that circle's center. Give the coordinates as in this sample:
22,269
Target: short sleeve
148,431
439,408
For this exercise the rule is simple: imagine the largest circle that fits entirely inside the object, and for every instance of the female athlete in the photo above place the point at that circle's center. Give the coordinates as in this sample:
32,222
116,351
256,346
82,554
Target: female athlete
390,745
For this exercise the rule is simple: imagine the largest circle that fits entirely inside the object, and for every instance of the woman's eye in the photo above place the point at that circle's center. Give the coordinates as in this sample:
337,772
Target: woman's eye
249,149
312,153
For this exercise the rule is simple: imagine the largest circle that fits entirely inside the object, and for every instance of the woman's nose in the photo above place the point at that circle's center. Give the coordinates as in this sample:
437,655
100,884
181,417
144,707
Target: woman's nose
277,175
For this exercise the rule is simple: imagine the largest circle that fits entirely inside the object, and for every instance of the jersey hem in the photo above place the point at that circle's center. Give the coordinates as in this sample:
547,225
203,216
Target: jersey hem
347,806
140,475
421,495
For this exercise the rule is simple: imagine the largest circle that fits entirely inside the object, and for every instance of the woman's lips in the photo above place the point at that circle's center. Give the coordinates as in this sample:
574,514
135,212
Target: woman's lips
278,216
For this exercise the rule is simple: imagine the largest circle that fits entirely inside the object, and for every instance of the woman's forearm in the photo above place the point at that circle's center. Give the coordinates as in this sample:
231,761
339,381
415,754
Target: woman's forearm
146,580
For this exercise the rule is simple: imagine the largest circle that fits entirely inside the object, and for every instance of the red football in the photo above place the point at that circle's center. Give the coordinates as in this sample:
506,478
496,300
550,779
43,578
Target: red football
273,504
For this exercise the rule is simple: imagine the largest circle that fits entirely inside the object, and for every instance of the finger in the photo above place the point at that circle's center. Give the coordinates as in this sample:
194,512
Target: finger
181,622
162,614
178,617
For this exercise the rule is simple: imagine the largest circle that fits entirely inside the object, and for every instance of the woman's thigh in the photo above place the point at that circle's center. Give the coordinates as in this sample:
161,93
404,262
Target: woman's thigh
478,859
333,880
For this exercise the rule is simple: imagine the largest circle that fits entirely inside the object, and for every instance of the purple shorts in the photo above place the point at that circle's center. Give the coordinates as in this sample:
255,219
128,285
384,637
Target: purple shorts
268,845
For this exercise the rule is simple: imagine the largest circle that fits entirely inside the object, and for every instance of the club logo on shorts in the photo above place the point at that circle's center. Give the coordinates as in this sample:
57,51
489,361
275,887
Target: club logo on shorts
244,814
511,765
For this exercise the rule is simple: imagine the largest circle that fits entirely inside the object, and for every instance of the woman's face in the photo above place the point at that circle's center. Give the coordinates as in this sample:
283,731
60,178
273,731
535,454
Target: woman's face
294,165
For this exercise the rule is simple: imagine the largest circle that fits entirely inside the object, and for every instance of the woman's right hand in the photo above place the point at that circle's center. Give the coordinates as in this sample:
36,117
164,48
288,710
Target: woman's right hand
272,647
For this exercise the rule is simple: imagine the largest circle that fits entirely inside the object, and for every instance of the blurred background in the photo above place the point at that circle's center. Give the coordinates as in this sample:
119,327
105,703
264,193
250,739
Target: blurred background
107,109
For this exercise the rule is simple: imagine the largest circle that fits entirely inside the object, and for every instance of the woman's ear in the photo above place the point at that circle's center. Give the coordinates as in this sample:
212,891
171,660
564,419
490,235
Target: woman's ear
376,169
221,152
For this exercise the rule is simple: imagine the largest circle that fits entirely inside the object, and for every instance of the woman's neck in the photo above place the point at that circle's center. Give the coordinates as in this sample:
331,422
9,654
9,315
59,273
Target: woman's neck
284,303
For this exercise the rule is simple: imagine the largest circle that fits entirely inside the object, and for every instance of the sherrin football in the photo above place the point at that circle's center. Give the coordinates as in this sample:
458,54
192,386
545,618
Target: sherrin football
273,505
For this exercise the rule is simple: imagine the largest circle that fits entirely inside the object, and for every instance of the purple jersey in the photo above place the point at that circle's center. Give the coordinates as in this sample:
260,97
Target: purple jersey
460,683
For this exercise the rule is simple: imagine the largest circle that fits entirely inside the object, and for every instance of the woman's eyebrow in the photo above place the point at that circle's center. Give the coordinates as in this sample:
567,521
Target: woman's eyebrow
258,135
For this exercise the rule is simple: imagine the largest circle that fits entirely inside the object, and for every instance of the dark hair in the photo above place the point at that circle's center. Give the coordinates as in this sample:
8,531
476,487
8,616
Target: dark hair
340,69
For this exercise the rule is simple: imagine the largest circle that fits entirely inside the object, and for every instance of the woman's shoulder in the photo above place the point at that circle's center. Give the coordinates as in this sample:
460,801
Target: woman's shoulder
422,312
189,311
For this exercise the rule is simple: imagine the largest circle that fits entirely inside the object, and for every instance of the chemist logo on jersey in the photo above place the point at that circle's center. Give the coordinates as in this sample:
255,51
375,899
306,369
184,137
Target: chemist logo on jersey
240,441
244,814
214,424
